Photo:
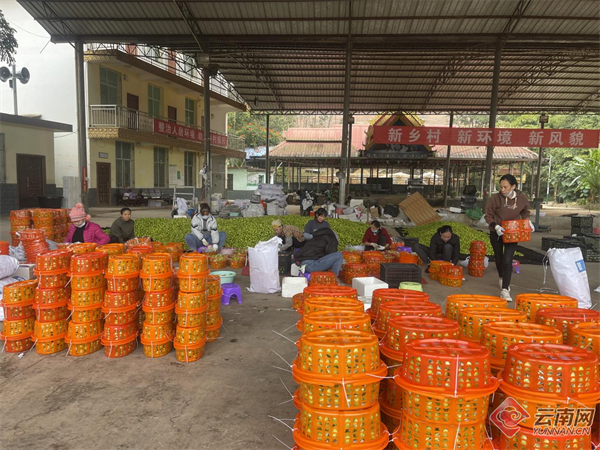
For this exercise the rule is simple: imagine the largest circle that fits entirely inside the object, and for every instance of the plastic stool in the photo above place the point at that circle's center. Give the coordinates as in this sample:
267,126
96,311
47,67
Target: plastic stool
230,290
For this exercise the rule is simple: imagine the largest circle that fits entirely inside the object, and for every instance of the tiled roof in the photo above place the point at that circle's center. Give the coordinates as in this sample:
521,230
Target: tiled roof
299,149
500,153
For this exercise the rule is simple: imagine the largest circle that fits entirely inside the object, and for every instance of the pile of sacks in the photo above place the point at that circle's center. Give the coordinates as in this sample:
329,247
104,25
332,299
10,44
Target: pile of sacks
274,197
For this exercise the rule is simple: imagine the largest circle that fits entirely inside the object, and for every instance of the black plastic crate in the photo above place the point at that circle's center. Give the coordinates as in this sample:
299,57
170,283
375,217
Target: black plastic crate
285,263
581,230
548,243
582,221
411,242
592,255
395,273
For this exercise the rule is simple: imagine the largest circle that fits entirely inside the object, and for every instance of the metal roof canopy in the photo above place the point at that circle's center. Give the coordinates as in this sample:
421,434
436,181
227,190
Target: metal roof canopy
424,56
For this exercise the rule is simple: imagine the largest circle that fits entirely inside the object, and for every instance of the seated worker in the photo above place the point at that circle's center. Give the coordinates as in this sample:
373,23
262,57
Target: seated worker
292,236
320,253
376,237
318,223
82,230
204,230
122,229
444,245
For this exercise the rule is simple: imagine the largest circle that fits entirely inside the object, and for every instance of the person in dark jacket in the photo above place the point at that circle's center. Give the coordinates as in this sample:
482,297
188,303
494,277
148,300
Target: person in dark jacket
122,229
444,245
376,237
320,253
318,223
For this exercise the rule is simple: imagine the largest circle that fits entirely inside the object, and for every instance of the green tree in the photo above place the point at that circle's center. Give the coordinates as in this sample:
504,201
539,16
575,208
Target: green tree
8,43
252,127
588,170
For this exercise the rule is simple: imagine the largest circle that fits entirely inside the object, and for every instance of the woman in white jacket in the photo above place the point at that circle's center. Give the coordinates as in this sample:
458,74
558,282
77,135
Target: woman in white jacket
204,230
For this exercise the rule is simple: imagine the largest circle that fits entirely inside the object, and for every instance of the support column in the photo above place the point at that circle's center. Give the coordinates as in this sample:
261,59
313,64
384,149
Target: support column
345,165
267,161
531,183
290,175
361,176
206,72
447,166
81,128
521,177
493,111
318,176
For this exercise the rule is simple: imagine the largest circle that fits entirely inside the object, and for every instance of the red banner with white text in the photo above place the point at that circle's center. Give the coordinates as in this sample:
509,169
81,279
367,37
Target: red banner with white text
189,133
498,137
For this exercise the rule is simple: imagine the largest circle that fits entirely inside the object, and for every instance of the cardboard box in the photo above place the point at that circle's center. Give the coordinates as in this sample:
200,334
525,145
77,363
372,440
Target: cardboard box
418,210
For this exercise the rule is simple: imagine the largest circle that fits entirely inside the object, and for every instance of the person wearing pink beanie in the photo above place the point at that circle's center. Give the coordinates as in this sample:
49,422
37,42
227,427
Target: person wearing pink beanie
82,230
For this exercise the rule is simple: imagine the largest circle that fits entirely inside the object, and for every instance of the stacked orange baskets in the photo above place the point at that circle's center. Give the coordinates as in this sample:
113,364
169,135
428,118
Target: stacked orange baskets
43,219
471,320
121,305
548,378
389,310
585,335
381,296
20,219
354,270
339,373
84,334
175,249
19,316
52,296
157,277
561,318
112,249
454,303
434,269
327,305
476,265
446,386
214,321
239,259
322,291
373,260
192,305
401,330
531,303
450,275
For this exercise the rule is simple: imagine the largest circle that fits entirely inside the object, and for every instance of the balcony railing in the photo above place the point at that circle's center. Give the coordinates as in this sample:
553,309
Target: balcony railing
114,116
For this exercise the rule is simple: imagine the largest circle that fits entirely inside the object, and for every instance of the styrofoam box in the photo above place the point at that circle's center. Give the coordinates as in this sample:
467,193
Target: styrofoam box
292,286
366,285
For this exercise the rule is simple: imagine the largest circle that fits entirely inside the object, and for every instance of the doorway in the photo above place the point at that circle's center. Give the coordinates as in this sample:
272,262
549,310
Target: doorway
172,113
31,179
103,183
133,106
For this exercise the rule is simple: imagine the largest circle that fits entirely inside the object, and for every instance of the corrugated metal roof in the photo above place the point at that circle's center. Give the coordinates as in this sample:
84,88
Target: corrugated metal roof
471,153
410,55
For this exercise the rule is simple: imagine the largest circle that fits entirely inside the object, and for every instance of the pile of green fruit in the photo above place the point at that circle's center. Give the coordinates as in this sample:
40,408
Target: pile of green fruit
464,232
244,232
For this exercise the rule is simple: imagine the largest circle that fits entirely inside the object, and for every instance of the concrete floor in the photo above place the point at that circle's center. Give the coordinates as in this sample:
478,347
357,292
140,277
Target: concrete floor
221,402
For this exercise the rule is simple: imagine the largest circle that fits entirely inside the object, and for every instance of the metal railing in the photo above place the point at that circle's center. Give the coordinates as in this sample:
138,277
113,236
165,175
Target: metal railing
114,116
171,61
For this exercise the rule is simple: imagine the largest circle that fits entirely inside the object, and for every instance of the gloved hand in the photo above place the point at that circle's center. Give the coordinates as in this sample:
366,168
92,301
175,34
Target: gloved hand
213,247
499,230
532,227
205,242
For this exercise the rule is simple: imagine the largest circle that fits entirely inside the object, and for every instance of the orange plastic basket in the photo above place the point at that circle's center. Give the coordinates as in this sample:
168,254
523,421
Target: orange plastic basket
361,429
322,279
338,354
390,417
139,250
138,241
329,291
19,291
527,439
389,310
48,346
16,327
561,318
218,261
52,295
585,335
352,257
120,316
237,261
52,312
387,295
212,333
335,320
156,264
120,265
391,394
120,348
111,249
83,247
192,300
402,329
120,332
214,285
409,258
551,370
52,279
120,299
498,336
87,297
160,282
332,304
18,343
434,269
214,302
448,366
50,329
53,260
158,348
455,302
478,273
297,301
88,263
187,353
84,282
193,283
82,347
159,298
84,314
471,320
531,303
122,283
356,270
477,246
392,359
193,263
157,316
190,335
192,317
18,310
157,332
213,318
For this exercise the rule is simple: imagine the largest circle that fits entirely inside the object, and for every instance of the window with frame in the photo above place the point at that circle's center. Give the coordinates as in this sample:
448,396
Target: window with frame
230,182
190,112
124,163
189,169
110,87
154,101
161,166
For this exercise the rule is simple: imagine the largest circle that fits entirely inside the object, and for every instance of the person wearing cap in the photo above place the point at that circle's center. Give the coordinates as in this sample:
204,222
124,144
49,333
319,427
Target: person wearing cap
82,230
292,236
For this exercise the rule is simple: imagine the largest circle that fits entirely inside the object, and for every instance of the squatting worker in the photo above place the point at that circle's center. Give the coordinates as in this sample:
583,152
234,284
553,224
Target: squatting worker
292,236
508,204
320,253
318,223
122,228
444,245
204,230
376,237
82,230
